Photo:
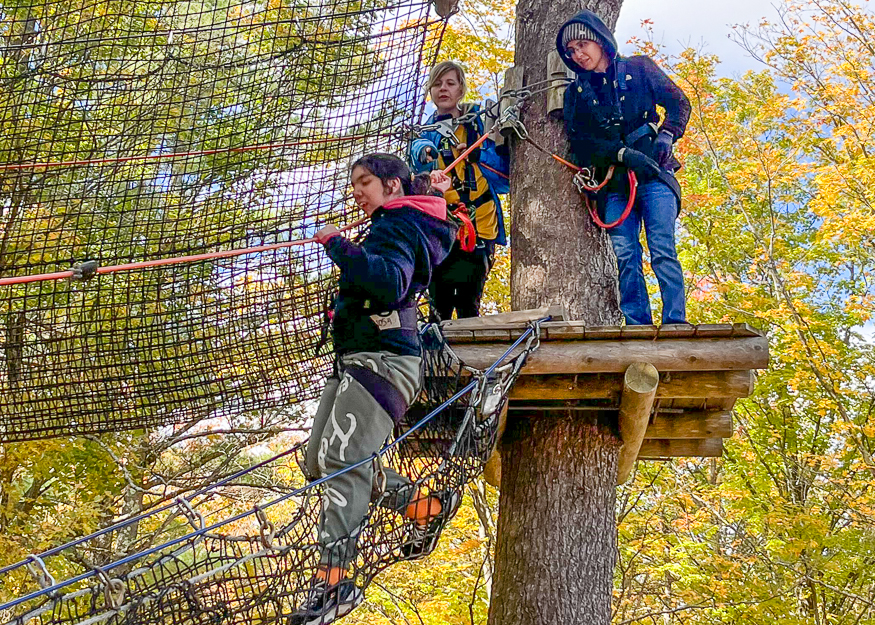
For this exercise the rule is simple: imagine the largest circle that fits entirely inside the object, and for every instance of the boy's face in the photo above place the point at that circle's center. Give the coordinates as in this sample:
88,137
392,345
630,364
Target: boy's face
587,54
369,192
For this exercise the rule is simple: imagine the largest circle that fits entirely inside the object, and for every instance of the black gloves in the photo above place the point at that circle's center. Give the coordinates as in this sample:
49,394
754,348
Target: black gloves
662,147
640,163
427,155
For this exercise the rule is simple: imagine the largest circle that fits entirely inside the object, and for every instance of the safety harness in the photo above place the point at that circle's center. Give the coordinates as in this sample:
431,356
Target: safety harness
466,187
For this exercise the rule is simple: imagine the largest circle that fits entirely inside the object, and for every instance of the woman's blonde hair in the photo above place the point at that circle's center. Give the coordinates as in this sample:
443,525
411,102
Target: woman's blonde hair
442,68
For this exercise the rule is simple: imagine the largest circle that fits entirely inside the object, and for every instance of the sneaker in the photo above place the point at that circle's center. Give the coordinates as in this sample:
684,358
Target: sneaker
325,604
422,539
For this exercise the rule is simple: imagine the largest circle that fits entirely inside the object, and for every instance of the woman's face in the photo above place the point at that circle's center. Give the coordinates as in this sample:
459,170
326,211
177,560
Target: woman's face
369,192
446,92
588,55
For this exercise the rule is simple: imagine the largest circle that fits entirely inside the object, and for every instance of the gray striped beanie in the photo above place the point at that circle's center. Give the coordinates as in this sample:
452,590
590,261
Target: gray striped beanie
576,30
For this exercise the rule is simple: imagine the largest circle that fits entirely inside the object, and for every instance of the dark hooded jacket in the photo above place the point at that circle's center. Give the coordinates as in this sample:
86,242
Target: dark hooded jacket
602,110
381,277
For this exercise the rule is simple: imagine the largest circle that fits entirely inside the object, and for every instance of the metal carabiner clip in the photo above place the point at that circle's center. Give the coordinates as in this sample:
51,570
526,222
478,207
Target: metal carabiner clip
584,181
447,129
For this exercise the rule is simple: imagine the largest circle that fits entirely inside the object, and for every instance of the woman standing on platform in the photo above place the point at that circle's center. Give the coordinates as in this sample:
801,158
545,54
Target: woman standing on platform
458,283
611,120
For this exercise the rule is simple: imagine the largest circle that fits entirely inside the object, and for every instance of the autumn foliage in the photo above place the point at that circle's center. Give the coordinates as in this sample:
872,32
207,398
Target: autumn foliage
777,230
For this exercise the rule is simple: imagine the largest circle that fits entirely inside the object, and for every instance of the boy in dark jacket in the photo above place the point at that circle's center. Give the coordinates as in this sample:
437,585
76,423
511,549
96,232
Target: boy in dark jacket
377,371
611,119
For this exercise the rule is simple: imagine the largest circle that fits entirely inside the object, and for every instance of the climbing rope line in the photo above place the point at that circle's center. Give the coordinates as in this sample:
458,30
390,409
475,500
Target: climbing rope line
177,155
424,451
177,501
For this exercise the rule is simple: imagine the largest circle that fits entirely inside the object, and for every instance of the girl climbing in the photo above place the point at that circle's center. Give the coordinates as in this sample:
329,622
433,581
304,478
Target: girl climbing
377,372
476,183
611,120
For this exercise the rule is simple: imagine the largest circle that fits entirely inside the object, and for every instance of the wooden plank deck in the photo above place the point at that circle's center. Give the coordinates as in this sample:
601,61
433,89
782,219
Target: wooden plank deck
703,369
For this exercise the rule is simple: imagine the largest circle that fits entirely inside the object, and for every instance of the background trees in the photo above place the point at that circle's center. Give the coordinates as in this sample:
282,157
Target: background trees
777,230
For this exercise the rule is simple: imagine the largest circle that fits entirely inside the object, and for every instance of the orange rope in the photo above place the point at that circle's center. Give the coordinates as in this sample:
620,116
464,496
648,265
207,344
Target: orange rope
494,171
465,154
60,275
161,262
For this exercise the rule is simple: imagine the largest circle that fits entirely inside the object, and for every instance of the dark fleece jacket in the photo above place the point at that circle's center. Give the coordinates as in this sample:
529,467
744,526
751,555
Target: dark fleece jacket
409,237
599,115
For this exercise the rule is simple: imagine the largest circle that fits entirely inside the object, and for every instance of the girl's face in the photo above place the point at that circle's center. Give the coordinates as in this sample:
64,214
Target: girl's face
369,192
446,92
588,55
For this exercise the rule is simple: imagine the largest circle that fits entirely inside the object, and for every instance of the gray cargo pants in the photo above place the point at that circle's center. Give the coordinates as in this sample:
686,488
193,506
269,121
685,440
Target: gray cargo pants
354,419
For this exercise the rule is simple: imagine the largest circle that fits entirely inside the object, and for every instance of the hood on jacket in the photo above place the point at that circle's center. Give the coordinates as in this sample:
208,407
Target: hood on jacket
428,204
594,23
428,215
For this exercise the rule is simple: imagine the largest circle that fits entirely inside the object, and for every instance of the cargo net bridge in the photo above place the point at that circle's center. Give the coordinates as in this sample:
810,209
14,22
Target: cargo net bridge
256,566
150,139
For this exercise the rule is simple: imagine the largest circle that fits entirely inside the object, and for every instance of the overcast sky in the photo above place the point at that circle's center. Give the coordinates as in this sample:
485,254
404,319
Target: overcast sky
704,24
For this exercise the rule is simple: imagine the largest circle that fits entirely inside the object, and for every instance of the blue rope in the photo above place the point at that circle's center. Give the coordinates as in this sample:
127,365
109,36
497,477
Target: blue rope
136,556
145,515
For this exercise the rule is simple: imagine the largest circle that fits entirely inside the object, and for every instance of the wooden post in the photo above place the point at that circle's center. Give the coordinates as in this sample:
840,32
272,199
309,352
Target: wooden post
558,73
636,402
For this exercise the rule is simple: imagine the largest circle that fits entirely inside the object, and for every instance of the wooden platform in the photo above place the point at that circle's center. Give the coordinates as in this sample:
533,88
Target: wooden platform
693,373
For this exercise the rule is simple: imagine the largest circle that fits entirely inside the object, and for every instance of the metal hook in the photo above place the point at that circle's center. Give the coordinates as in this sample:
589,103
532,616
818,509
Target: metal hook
195,518
266,530
114,589
38,569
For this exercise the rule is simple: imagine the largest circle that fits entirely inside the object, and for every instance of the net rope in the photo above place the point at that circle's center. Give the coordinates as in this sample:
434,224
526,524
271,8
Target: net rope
139,131
257,565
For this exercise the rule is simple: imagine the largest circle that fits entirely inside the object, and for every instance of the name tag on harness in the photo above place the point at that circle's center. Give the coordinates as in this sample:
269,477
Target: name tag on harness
387,321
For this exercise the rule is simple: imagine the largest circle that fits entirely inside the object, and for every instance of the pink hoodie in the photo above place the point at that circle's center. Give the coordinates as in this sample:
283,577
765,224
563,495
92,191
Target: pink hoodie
428,204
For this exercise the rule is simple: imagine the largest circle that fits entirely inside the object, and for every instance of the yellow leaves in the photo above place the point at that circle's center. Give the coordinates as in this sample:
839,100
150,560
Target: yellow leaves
481,38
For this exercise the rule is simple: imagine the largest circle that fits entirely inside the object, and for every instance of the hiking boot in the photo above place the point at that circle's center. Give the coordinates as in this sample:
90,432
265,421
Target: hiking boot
325,604
422,539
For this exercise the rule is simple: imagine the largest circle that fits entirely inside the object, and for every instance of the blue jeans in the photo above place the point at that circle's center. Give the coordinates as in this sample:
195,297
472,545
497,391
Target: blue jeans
657,206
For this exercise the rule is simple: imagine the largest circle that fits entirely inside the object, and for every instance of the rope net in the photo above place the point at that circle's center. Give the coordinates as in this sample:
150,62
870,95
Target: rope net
256,566
136,131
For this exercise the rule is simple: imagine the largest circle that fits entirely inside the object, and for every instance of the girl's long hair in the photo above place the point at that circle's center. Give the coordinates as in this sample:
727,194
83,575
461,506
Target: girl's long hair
388,166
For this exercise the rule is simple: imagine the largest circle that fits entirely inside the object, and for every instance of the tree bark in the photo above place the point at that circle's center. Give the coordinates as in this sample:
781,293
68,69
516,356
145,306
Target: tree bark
557,531
558,256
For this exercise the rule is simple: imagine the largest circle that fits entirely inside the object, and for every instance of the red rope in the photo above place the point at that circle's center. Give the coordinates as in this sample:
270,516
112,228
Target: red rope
60,275
494,171
633,188
467,235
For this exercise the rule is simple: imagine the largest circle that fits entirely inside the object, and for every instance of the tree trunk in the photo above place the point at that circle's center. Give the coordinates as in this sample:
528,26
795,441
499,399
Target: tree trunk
559,256
557,531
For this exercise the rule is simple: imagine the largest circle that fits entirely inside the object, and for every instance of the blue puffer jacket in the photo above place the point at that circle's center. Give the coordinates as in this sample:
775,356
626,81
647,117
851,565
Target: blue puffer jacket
381,277
489,156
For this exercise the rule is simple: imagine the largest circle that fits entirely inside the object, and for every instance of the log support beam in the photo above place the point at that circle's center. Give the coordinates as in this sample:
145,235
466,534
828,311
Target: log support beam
609,356
636,402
